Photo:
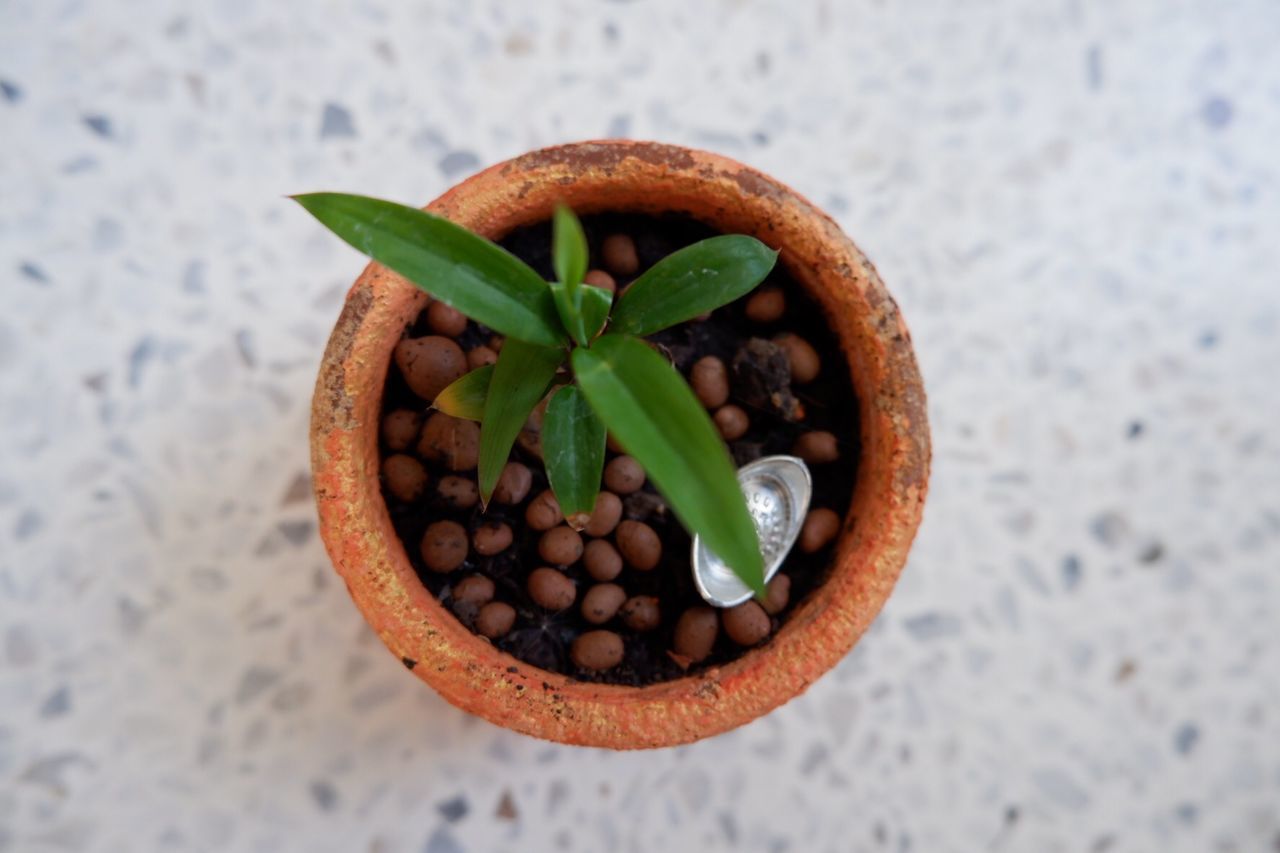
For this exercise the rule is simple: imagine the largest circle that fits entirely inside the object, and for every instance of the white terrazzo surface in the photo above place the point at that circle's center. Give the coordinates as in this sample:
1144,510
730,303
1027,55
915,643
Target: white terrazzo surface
1077,205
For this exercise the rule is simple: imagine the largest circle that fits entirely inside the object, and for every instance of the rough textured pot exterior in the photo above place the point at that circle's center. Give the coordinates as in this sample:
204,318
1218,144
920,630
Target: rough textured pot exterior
876,535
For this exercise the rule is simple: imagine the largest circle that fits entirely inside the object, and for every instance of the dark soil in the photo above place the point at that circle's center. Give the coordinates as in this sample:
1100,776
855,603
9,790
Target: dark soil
541,638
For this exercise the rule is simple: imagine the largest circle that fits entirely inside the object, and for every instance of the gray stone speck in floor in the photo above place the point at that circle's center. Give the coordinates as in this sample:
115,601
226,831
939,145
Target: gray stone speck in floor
1217,112
453,809
99,124
336,122
57,703
456,163
442,841
33,272
324,794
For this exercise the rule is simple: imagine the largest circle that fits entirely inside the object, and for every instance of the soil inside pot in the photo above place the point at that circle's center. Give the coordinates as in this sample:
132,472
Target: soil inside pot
780,411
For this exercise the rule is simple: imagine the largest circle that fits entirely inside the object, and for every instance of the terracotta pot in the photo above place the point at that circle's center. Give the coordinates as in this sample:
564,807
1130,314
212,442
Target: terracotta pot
877,532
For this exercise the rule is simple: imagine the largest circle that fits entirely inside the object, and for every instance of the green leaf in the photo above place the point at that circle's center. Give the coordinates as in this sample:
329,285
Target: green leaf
596,302
465,396
520,379
570,317
573,450
568,249
461,269
692,281
650,410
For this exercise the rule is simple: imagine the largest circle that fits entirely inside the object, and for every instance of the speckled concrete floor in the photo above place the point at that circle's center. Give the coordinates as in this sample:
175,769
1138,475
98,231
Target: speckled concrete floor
1076,204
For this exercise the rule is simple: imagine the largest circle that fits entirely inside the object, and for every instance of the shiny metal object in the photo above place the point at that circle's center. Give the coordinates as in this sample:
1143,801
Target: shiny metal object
778,489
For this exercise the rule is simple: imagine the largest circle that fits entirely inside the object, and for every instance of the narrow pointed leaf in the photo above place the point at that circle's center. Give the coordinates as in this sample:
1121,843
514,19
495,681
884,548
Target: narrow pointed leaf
650,410
596,302
573,450
692,281
461,269
465,396
520,379
568,250
570,317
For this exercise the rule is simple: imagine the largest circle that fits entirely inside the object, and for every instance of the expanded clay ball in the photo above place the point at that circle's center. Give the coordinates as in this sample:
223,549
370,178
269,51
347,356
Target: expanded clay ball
513,484
639,545
820,526
561,546
551,588
495,619
696,632
766,305
802,357
619,254
543,512
430,364
605,515
746,624
623,475
452,442
444,546
601,602
597,650
404,475
444,320
709,379
400,429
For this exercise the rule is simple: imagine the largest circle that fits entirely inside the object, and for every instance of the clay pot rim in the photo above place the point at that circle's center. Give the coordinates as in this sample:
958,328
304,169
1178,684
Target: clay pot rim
888,497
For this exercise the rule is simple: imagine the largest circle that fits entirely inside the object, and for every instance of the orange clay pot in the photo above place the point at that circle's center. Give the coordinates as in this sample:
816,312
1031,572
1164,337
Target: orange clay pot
640,177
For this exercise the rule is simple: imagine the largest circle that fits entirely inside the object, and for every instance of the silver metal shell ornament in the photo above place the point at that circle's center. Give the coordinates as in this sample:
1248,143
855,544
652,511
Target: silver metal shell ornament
778,489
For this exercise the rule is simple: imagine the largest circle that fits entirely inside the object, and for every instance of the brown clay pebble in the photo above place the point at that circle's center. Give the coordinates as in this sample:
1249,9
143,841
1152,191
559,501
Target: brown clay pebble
600,279
820,527
475,590
605,515
766,305
405,476
551,589
641,613
696,631
777,594
623,475
513,484
732,422
480,356
492,537
561,546
597,650
619,254
746,624
802,357
816,447
601,602
458,491
444,320
640,546
400,429
543,512
454,442
495,619
444,546
429,364
602,560
710,381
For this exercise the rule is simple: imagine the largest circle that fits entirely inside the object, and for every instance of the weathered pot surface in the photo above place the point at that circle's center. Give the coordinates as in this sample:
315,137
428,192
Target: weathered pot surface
638,177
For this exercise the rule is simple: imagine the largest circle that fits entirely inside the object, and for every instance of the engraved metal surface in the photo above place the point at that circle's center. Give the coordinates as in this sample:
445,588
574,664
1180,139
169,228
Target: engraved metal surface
777,489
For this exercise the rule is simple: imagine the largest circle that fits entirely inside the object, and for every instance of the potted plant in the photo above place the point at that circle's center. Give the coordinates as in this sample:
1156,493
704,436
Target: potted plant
477,577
